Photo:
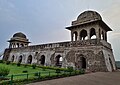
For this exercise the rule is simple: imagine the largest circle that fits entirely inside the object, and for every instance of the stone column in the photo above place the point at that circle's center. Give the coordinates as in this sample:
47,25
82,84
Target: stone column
71,36
97,33
78,35
105,36
88,34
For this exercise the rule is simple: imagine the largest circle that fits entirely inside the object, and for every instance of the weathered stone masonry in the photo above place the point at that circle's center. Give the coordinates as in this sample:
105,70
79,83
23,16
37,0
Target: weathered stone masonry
88,48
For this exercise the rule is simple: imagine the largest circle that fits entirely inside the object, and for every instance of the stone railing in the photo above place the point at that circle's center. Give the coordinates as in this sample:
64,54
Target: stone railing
80,43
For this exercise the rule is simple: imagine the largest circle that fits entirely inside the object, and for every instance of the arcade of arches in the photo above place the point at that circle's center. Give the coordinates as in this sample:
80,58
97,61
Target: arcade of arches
86,34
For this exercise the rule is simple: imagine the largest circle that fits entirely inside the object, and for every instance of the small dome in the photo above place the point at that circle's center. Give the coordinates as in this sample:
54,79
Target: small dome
19,34
89,16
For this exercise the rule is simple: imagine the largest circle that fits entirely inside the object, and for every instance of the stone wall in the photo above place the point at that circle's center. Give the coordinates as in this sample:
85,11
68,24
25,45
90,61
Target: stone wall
93,51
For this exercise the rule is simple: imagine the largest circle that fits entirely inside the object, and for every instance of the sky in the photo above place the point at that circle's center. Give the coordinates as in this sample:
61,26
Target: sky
44,21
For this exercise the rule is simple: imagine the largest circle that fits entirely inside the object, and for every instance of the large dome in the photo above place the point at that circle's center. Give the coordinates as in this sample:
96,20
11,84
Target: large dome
20,35
89,16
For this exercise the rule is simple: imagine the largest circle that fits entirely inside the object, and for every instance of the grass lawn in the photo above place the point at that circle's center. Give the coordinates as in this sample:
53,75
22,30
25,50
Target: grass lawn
39,73
17,71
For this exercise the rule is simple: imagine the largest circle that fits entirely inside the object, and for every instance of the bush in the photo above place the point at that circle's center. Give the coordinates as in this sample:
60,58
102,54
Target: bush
70,69
57,70
18,64
1,61
36,74
25,71
4,71
25,65
33,66
82,71
7,62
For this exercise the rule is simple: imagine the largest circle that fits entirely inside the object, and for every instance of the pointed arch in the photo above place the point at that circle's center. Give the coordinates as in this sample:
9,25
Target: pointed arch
29,60
75,34
92,33
20,59
12,59
81,62
58,60
42,59
83,35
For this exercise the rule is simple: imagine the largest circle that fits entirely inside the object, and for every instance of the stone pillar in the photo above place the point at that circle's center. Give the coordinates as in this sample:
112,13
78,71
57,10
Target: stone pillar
88,34
15,45
71,36
97,33
105,36
78,36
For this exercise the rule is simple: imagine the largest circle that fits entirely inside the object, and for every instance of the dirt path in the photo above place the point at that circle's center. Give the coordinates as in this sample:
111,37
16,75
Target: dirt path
99,78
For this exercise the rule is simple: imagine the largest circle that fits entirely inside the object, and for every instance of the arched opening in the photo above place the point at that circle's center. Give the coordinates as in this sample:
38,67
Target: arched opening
75,34
111,64
29,61
59,60
102,35
18,45
83,62
42,59
83,35
20,59
12,59
92,33
22,45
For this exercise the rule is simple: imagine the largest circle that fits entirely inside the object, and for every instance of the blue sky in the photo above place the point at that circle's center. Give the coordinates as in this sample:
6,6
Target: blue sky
44,21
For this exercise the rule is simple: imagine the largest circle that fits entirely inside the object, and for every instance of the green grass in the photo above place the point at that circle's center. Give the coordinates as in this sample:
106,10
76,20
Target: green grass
17,71
14,69
17,76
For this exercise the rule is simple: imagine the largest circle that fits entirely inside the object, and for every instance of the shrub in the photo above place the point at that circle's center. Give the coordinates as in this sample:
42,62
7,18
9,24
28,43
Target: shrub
36,74
33,66
18,64
1,61
81,71
4,71
57,70
25,71
70,69
25,65
7,62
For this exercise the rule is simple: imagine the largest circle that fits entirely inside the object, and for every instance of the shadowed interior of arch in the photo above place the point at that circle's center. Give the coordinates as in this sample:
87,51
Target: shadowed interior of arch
42,59
59,60
13,58
20,59
92,33
83,62
29,61
83,35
